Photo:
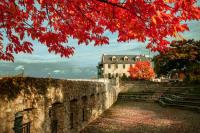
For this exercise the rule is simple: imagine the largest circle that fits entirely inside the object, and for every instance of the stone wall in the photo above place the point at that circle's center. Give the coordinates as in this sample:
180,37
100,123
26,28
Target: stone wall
53,106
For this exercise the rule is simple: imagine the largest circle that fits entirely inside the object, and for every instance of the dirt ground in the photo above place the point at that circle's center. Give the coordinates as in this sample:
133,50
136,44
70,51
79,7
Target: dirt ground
141,117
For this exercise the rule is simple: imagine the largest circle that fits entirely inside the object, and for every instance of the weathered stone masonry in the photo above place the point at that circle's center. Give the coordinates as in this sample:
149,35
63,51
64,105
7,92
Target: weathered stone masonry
52,106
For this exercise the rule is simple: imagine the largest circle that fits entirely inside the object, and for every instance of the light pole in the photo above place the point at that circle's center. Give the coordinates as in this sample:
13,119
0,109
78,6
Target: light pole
22,71
49,75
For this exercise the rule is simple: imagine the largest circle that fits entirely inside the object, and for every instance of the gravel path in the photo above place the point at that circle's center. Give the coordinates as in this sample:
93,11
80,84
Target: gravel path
141,117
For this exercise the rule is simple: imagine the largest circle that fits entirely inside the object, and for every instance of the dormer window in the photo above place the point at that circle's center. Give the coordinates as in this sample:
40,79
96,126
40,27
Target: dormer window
114,58
137,58
125,58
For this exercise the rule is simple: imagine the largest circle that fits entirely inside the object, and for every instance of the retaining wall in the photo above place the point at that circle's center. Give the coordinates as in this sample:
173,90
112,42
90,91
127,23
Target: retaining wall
51,105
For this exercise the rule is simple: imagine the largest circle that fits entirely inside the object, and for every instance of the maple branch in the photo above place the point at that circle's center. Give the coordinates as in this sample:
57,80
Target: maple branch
93,9
62,17
3,23
113,4
19,17
119,5
50,23
79,9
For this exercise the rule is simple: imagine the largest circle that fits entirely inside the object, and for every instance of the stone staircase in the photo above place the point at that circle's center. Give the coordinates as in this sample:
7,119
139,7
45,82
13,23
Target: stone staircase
141,91
140,96
185,101
180,96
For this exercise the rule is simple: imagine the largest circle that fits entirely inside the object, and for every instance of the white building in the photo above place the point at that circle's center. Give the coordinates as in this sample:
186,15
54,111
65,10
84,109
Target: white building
118,65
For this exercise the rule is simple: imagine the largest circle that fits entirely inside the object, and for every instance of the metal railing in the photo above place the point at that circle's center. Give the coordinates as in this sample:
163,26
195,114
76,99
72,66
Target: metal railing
25,128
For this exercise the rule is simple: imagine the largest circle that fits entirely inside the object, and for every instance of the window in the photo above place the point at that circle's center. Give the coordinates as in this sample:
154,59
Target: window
124,66
125,58
137,58
83,114
116,65
54,126
73,113
109,66
71,120
19,126
124,75
18,123
84,108
114,58
117,74
109,75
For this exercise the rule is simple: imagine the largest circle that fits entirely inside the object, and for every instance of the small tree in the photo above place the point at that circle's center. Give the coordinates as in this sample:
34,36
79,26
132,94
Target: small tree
125,78
141,70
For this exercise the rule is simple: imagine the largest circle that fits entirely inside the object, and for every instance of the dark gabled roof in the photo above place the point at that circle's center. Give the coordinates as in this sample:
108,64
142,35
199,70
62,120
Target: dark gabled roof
107,59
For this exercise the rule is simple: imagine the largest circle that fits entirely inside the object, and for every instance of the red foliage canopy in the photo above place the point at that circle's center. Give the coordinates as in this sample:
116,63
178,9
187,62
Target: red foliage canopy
141,70
53,22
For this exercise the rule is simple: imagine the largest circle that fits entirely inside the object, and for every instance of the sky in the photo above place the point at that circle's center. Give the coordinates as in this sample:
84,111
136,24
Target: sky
84,61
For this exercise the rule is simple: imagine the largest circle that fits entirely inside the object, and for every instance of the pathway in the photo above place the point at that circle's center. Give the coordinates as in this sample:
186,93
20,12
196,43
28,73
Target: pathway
141,117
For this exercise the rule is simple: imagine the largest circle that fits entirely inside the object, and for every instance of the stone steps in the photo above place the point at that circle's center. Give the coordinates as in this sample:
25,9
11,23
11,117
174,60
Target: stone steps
167,94
139,96
184,102
194,108
178,101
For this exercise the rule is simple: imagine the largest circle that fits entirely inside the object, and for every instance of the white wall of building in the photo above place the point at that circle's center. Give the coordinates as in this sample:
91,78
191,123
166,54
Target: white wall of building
119,69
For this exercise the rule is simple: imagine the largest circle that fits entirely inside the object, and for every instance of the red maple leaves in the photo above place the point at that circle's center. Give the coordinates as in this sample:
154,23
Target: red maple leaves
142,70
53,22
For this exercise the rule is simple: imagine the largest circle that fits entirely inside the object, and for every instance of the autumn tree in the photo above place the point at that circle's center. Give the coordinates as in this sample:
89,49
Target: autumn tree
141,70
183,56
54,22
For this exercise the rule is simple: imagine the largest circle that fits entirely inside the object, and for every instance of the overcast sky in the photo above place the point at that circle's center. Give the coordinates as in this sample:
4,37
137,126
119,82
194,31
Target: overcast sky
40,63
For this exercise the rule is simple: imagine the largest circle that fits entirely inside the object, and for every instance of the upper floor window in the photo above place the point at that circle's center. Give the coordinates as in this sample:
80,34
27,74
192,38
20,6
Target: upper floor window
125,58
137,58
114,58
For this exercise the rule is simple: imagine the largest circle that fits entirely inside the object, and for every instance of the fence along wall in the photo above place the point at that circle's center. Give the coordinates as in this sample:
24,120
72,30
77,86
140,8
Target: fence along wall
52,106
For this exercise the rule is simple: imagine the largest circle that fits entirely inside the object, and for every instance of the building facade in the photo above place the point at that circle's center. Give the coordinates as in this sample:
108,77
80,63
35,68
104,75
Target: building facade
112,66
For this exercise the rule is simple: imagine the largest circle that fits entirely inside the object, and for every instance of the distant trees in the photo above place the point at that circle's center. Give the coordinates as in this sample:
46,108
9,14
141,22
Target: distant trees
141,70
183,56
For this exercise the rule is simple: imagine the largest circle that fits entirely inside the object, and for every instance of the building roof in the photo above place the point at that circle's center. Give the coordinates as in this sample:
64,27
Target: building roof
122,59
